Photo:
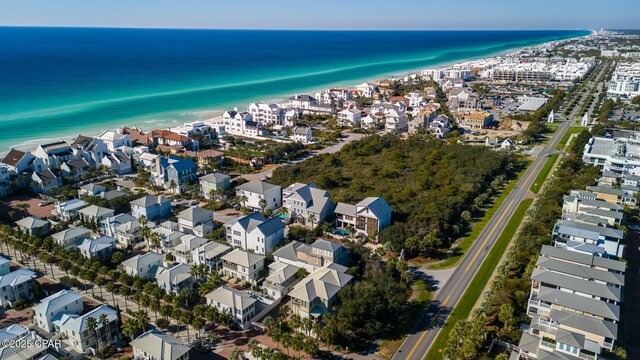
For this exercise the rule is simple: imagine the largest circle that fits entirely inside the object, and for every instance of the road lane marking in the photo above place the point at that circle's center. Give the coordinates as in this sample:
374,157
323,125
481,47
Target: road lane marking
495,227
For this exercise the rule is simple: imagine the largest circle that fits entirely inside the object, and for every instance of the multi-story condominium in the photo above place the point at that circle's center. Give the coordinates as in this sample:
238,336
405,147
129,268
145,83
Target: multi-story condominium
91,149
243,265
156,345
214,182
574,306
152,207
307,204
349,118
366,89
622,196
195,220
625,80
54,154
71,238
239,304
19,162
312,257
369,216
253,232
144,266
314,295
588,237
196,128
619,154
463,99
79,338
282,278
114,139
267,113
33,226
174,279
100,248
210,254
255,191
241,124
67,301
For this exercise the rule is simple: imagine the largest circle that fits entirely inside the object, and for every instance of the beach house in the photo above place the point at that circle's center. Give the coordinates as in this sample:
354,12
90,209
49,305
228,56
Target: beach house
243,265
67,301
156,345
144,266
307,204
369,216
259,195
152,207
239,304
254,232
214,182
314,295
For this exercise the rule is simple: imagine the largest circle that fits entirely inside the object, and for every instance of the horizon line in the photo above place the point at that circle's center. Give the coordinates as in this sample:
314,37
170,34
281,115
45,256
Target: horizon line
281,29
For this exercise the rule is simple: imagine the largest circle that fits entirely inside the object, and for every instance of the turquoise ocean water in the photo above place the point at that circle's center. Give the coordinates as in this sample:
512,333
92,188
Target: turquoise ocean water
58,82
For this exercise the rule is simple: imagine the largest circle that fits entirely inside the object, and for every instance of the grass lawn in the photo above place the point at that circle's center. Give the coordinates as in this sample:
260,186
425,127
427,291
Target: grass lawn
474,291
565,138
392,343
544,172
478,226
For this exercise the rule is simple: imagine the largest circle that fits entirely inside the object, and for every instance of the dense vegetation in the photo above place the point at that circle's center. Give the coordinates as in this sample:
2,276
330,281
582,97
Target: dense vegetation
428,183
505,306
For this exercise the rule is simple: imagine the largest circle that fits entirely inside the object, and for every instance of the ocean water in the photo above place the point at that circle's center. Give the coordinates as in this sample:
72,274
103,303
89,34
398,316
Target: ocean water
64,81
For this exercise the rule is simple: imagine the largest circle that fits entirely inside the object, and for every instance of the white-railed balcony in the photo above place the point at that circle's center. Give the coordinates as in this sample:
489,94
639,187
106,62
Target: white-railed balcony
537,303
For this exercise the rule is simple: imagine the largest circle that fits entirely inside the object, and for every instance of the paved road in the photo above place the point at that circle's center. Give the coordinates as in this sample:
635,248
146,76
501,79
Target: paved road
328,150
417,344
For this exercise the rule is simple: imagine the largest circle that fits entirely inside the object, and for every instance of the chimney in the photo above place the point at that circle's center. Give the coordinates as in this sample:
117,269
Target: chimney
235,109
297,96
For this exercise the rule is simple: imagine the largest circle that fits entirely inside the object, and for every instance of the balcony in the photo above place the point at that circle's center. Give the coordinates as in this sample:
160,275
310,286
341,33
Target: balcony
534,302
607,345
548,322
585,356
548,343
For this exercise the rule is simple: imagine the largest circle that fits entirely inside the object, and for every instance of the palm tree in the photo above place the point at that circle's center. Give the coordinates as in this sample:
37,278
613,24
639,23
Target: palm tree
172,186
243,199
129,328
92,327
311,218
142,318
263,204
198,323
307,325
103,319
236,354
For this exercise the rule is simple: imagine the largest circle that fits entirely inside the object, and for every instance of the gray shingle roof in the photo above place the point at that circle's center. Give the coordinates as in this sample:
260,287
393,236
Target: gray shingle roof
584,259
160,345
581,303
579,285
585,323
243,258
257,187
587,231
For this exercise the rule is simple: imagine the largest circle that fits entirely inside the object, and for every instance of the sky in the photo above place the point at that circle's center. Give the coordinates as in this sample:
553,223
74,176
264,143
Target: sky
325,14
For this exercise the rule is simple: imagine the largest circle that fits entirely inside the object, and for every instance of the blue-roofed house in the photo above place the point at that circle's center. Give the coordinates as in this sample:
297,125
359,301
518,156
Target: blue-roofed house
79,338
67,301
253,232
173,173
101,247
16,285
4,266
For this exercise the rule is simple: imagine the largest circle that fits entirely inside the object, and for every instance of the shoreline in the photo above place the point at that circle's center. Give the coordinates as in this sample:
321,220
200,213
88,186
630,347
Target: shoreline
211,115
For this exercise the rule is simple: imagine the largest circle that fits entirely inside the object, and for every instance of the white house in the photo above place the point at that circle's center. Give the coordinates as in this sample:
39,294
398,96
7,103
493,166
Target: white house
195,220
19,162
183,252
55,153
312,257
67,301
369,216
307,204
108,226
156,345
144,266
239,304
68,210
114,139
314,295
78,336
255,233
71,238
33,226
210,254
174,279
100,248
256,190
95,214
91,149
118,161
302,134
91,189
243,265
282,277
349,118
151,207
45,181
214,181
129,233
16,285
